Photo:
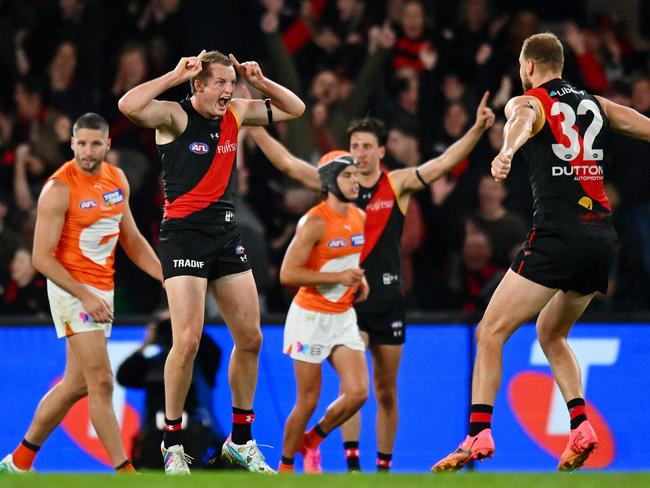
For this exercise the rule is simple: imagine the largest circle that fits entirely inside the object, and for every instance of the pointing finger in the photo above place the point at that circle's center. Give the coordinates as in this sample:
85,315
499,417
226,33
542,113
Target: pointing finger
484,100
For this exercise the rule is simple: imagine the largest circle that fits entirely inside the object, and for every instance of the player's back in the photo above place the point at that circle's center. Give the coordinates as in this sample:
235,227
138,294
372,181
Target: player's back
566,158
339,249
86,247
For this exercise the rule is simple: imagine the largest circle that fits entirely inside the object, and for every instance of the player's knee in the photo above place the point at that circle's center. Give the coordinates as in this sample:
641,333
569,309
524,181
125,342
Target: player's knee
386,396
187,347
357,394
101,384
489,335
250,342
309,401
548,339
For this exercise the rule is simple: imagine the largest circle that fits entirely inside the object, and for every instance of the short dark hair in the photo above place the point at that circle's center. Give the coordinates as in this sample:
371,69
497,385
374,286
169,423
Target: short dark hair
371,125
210,57
91,121
545,49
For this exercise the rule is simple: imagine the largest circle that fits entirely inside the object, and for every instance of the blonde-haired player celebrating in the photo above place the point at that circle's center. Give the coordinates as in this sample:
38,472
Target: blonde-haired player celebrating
323,259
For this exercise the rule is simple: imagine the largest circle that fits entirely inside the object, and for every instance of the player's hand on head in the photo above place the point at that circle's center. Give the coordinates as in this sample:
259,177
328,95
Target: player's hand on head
189,67
250,71
351,277
484,114
501,166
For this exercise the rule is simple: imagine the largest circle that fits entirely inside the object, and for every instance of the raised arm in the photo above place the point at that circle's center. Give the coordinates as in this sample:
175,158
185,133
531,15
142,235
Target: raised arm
294,272
52,206
283,160
525,117
626,120
285,105
133,242
141,107
409,180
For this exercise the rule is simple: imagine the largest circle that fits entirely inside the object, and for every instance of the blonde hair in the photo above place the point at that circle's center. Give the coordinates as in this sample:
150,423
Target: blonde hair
545,49
209,58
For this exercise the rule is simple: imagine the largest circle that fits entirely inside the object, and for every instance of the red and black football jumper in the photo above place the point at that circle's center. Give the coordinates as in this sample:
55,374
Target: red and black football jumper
571,245
382,314
199,234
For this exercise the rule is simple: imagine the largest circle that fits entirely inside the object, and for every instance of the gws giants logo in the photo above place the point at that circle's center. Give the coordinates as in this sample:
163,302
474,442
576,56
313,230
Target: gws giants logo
199,148
538,406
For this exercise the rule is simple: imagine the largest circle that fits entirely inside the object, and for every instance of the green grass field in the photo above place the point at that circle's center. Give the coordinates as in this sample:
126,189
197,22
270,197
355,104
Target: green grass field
243,480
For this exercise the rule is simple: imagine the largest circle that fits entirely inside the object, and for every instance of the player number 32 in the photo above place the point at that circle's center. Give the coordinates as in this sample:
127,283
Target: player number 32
572,152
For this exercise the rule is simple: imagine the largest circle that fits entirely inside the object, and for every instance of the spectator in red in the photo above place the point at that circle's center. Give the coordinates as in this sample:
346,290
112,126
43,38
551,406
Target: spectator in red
26,292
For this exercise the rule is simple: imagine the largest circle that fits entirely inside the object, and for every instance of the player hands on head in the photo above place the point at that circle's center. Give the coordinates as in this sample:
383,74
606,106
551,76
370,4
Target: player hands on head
323,260
200,243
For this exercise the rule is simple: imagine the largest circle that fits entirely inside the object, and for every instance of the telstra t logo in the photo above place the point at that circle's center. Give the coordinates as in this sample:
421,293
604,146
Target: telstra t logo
540,409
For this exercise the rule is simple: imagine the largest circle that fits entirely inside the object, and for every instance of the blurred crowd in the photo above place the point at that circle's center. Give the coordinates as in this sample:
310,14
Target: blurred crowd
420,65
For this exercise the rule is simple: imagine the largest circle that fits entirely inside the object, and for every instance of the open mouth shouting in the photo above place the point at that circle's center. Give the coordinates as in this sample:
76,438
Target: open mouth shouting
223,101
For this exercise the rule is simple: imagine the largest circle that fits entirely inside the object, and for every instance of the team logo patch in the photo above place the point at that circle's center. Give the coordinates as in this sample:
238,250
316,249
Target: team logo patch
586,202
112,198
336,243
239,250
357,240
199,147
87,204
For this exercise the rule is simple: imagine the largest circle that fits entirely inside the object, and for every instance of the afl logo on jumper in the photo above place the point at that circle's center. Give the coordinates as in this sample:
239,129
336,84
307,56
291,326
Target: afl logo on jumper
337,242
199,147
87,204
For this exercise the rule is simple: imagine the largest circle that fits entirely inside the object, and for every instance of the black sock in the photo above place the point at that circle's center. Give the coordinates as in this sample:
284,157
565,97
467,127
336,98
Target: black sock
351,449
319,431
241,425
286,460
384,461
172,435
30,446
577,412
480,418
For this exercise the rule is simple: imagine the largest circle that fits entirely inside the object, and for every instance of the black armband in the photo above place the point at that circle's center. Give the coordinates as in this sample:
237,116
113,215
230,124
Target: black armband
417,173
269,111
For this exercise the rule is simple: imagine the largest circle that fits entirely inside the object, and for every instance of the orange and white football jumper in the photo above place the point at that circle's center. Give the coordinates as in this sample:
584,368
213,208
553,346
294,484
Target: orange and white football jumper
86,247
322,317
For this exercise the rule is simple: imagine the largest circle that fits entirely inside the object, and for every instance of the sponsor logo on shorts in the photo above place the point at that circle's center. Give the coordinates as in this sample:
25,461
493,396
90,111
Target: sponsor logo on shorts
241,252
112,198
229,216
87,204
227,147
357,240
85,318
315,350
199,148
398,328
389,278
188,263
337,242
